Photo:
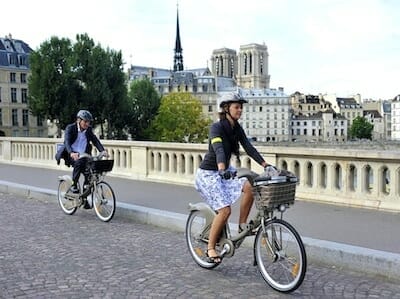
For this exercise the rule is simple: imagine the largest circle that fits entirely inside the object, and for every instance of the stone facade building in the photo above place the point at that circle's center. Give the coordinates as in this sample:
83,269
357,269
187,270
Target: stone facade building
15,118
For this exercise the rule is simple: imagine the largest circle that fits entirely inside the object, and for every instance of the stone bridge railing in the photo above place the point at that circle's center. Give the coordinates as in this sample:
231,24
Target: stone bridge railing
368,178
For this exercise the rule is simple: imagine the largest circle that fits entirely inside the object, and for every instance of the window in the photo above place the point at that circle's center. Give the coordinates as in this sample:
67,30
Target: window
0,93
13,95
39,121
15,117
1,117
25,121
23,78
24,95
12,78
12,59
22,60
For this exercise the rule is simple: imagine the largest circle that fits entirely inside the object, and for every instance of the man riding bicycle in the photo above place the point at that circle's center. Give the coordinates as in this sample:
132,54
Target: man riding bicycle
78,138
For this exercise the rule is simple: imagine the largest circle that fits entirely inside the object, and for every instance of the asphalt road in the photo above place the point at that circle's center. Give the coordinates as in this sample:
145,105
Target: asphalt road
362,227
47,254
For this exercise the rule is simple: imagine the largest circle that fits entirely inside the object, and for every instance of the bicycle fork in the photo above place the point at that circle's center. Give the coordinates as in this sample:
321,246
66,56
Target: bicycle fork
266,240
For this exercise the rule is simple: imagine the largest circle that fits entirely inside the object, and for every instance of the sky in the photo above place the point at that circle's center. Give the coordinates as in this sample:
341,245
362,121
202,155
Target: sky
342,47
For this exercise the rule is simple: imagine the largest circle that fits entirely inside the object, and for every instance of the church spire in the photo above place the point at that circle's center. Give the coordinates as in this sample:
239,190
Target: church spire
178,58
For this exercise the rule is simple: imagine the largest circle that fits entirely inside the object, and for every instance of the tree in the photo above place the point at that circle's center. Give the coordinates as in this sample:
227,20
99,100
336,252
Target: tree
361,128
180,119
54,91
144,101
105,92
66,78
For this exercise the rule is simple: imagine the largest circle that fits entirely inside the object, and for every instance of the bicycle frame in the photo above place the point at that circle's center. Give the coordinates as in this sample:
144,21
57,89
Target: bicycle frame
228,242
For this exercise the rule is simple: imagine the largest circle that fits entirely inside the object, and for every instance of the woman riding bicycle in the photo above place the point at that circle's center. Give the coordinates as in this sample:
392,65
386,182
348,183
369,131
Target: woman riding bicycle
214,178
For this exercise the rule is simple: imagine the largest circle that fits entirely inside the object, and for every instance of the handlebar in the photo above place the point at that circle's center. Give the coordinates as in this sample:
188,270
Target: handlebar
256,179
100,156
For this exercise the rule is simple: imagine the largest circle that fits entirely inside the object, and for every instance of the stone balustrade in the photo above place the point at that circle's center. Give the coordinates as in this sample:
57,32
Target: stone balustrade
368,178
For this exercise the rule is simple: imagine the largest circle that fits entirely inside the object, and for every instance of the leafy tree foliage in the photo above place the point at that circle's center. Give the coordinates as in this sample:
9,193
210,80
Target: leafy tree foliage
144,101
67,77
361,128
54,91
180,119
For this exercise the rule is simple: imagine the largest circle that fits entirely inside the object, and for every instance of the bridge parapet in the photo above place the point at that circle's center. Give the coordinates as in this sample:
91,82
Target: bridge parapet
368,178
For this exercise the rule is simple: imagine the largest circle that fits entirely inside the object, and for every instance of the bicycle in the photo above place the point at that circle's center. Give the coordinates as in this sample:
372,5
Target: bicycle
278,249
98,194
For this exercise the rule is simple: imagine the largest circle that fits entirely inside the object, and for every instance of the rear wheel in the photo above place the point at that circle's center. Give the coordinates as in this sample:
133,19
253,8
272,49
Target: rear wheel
197,230
67,203
280,255
104,201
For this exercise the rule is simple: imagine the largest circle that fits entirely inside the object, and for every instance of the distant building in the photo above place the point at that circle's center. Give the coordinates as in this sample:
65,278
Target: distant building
266,116
319,127
395,108
379,113
249,68
308,104
348,107
15,118
376,119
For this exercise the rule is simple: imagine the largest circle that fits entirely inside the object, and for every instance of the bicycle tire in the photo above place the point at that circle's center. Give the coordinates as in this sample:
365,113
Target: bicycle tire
104,201
196,234
284,268
66,204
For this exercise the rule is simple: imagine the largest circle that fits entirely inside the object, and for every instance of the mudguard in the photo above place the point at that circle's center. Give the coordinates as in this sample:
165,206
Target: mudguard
206,210
66,178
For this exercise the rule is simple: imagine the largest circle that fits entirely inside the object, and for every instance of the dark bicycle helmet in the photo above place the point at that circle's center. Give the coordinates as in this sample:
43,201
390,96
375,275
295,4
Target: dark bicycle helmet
230,97
85,115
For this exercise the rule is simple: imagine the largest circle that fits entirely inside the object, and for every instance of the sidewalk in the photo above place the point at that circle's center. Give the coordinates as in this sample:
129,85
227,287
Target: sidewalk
342,236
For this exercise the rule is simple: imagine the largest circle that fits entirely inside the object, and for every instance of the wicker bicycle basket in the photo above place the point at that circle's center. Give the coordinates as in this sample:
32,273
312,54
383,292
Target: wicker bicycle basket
271,196
102,165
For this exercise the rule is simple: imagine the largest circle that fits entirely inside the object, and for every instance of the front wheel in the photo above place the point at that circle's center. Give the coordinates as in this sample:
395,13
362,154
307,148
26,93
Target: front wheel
67,204
197,230
280,255
104,201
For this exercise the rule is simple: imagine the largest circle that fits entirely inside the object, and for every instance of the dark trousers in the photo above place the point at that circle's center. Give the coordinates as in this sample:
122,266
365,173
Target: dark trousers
79,167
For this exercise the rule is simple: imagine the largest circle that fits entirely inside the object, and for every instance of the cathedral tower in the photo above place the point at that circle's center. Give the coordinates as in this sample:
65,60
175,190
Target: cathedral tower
178,58
224,63
253,66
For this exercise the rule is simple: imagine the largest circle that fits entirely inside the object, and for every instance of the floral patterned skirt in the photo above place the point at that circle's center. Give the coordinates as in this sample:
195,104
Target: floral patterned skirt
217,192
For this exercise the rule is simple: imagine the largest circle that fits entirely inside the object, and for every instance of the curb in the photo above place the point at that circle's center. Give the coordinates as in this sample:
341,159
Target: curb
355,258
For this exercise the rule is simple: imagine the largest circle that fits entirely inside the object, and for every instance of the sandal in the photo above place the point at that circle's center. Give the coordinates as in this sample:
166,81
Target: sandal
213,259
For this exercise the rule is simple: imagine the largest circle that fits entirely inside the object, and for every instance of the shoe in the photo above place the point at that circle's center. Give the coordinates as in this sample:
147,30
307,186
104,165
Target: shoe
213,259
86,205
74,189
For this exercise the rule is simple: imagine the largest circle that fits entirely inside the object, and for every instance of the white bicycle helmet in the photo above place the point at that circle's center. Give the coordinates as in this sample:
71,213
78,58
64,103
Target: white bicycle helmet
85,115
230,97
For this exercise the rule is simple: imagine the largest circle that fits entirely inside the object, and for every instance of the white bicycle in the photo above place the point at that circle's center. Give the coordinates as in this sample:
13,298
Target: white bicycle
98,195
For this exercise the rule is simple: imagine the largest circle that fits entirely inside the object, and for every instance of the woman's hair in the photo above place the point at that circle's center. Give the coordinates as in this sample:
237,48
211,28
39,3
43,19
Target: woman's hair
222,115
